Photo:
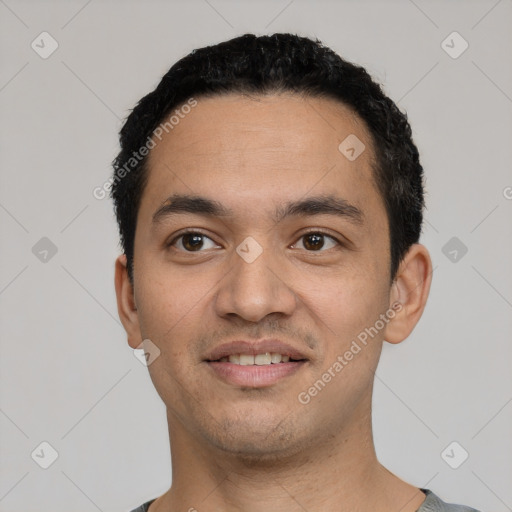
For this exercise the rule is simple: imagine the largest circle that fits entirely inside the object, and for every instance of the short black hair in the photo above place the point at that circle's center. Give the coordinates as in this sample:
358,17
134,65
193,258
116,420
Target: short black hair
251,64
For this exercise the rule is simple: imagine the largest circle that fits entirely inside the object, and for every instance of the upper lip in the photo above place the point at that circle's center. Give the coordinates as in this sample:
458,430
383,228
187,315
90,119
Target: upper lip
254,347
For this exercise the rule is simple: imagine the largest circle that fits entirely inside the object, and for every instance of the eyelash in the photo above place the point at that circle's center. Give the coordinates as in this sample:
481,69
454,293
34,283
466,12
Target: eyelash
198,232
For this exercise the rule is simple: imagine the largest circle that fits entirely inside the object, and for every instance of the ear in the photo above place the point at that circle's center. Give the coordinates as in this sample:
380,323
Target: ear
126,306
409,293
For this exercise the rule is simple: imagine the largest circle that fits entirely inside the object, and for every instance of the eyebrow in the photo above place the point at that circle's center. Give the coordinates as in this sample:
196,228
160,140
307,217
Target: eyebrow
317,205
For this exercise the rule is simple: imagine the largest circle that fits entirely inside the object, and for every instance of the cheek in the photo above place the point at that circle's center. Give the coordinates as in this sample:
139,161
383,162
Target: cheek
345,305
344,292
167,301
169,316
343,312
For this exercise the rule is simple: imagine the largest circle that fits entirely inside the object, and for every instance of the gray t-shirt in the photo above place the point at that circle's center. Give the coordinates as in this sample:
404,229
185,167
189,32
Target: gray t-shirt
432,503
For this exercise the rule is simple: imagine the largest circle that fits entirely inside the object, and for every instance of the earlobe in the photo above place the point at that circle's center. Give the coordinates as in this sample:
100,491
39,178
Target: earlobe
126,306
410,290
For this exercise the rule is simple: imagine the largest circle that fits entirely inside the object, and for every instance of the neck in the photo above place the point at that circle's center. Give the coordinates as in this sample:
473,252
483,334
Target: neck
339,472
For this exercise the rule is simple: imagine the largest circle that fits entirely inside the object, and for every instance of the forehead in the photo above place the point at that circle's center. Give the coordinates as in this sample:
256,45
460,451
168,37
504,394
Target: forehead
255,151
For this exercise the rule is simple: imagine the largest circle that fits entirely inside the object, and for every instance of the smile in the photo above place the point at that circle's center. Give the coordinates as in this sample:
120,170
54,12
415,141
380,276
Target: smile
255,371
256,359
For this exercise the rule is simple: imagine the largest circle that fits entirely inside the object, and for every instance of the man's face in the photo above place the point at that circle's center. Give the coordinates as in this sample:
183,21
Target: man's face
315,292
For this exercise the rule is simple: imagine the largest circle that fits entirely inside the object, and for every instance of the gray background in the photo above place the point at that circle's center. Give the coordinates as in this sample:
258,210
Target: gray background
69,378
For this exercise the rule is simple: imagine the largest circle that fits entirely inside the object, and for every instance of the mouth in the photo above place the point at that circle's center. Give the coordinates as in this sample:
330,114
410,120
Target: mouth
255,365
263,359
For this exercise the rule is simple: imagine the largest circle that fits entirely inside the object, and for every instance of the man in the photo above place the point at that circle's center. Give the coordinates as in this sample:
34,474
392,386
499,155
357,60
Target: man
269,198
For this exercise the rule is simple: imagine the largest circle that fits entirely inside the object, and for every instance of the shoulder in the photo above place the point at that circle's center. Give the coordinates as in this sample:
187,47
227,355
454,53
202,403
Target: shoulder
433,503
144,507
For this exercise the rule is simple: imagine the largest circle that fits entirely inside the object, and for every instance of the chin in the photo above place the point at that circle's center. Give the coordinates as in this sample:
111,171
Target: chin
261,454
256,441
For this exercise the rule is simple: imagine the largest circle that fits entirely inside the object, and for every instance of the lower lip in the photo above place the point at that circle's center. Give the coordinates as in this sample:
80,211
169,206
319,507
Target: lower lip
254,376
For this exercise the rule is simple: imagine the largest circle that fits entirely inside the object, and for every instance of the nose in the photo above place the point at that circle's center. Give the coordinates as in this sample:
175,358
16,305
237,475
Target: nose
255,288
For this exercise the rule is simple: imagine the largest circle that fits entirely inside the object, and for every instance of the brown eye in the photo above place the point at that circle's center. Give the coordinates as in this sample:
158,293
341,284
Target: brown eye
315,241
192,241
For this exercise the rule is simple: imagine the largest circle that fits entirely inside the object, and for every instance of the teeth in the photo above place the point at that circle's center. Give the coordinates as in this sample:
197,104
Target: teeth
246,360
261,359
275,358
258,359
